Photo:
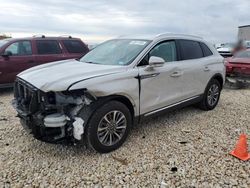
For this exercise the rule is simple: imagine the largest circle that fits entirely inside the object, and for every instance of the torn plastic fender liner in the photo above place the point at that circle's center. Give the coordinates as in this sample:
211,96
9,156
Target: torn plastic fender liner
78,128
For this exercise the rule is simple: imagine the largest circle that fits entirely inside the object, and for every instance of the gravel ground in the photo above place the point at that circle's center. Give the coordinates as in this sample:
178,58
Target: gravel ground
185,148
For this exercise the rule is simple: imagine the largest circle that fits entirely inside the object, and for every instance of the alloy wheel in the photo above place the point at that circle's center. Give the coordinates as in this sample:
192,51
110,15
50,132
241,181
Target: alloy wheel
111,128
213,94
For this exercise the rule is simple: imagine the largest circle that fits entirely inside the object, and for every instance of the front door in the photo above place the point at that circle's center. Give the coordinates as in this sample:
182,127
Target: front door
19,58
161,86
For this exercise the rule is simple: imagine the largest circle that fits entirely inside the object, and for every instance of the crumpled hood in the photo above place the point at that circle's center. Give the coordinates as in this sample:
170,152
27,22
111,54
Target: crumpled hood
60,75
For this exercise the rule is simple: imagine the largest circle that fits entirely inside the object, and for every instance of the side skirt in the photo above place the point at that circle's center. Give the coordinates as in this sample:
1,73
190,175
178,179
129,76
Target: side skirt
175,106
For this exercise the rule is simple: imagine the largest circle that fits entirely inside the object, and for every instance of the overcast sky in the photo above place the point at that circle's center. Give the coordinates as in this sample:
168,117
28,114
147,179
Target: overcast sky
98,20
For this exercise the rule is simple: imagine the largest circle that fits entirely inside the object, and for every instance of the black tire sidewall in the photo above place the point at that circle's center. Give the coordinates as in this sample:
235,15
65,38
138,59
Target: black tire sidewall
212,82
92,137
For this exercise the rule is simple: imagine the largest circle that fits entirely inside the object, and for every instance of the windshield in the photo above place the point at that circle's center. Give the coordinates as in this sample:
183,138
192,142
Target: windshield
228,45
245,54
115,52
3,42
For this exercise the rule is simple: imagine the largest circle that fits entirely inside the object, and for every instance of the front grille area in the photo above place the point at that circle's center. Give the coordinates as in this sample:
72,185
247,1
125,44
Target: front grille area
225,52
27,97
29,103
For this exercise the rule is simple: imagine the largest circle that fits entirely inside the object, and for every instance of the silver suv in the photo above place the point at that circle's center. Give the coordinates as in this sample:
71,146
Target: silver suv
100,97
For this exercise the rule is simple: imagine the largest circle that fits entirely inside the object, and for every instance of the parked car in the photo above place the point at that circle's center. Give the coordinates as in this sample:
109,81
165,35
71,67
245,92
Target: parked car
226,50
238,67
99,98
218,45
247,44
17,55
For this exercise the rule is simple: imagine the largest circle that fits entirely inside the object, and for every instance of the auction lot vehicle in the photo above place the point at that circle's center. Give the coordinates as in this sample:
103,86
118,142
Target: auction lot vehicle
17,55
226,50
98,98
238,67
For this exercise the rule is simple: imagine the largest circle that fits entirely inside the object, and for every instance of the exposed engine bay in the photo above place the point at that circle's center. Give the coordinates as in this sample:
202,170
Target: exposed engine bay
51,116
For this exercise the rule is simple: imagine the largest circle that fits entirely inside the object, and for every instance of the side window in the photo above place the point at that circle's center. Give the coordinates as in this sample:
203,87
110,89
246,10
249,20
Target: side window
206,50
190,49
48,47
20,48
74,46
165,50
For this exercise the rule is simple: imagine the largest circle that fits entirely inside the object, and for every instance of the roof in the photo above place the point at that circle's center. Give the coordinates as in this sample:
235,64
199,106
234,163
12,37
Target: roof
244,26
159,36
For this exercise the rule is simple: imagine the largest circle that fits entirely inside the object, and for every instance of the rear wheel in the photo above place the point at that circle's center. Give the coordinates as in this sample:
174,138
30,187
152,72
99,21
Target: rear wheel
109,126
211,96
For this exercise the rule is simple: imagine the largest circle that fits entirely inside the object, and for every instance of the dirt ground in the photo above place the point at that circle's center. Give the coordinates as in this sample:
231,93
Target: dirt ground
184,148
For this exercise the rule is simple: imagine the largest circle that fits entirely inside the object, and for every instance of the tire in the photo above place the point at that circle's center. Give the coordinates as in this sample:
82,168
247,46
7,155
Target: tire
206,103
98,127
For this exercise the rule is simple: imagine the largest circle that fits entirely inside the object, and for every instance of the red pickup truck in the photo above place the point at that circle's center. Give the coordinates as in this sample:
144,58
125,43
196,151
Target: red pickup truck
17,55
238,67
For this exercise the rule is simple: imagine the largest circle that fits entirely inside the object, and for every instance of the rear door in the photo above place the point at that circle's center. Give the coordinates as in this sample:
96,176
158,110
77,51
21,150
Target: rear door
48,51
21,58
194,67
74,48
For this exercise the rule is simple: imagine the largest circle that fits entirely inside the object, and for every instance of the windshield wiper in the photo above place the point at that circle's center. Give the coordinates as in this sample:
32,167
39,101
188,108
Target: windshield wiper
91,62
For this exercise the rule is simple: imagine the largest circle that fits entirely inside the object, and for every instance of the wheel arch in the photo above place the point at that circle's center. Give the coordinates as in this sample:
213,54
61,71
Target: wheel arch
125,100
219,78
87,111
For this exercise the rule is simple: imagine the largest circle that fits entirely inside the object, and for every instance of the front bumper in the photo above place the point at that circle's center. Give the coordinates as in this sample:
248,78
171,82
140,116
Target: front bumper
44,121
238,78
226,54
46,131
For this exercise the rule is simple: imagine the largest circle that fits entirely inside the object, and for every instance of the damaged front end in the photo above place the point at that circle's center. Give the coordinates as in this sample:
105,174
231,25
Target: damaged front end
237,77
51,116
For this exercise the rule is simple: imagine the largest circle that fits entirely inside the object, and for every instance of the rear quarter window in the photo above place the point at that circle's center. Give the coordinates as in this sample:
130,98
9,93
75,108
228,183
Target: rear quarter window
75,46
48,47
190,49
206,51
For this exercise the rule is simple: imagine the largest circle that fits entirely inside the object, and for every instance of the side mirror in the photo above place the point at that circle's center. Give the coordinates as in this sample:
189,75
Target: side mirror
155,62
7,54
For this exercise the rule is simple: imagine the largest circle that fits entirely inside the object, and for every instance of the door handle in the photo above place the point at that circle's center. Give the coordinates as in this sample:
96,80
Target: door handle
206,69
176,74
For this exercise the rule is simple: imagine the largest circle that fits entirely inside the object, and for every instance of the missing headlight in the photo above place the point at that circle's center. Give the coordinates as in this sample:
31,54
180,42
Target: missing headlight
51,98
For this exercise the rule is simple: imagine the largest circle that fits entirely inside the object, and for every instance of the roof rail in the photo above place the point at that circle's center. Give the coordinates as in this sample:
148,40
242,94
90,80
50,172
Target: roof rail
162,34
69,36
42,36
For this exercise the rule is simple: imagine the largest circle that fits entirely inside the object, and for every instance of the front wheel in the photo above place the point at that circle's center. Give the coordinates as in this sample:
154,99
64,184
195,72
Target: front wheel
109,127
211,96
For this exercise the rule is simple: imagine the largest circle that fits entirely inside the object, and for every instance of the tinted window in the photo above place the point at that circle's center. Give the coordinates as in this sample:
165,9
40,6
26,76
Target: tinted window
206,50
48,47
190,49
20,48
74,46
165,50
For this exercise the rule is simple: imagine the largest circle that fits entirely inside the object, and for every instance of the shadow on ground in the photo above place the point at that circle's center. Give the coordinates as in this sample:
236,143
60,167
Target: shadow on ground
4,91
